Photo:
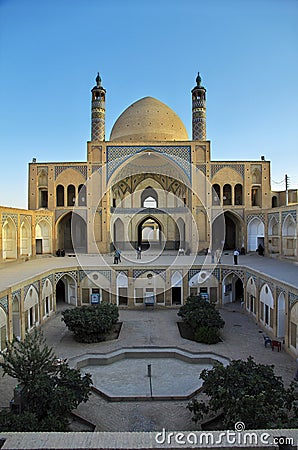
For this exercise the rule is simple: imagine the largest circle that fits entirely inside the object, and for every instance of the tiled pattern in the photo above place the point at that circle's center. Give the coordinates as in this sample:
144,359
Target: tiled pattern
80,168
237,167
116,155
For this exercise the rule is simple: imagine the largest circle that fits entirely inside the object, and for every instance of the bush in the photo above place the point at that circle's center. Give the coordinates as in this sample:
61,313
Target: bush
207,335
203,319
91,323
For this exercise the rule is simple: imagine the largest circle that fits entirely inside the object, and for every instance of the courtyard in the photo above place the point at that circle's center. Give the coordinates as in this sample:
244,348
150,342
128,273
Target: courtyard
151,329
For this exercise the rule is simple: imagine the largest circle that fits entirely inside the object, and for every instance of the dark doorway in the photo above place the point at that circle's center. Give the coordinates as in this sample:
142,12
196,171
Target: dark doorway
176,295
60,291
238,291
38,246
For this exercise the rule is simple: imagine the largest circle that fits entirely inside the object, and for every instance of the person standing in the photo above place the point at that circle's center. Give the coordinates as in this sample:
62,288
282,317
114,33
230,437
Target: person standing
118,254
236,254
218,256
139,252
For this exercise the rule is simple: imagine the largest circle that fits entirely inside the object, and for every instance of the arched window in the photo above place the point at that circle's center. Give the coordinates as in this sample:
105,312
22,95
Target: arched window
71,195
238,194
149,198
60,195
227,194
82,195
216,194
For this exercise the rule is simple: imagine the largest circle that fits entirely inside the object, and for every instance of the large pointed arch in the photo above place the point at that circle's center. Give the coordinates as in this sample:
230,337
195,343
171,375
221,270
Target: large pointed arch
72,233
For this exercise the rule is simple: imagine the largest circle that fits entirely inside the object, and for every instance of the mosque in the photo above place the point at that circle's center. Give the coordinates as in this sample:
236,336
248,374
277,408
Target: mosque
150,186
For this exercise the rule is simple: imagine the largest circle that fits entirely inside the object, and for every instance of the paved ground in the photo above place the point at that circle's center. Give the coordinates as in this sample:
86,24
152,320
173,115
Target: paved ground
157,328
15,272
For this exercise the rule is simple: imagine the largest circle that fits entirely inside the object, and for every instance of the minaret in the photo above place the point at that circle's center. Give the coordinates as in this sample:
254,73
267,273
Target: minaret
98,111
198,111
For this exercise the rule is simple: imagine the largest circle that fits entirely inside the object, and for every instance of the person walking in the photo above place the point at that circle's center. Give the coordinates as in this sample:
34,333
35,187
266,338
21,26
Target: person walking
115,257
236,254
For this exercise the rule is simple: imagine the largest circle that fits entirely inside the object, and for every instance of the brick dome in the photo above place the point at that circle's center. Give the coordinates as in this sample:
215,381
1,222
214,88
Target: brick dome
148,119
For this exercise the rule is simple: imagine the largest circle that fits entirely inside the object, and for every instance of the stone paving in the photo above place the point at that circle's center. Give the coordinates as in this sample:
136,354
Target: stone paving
12,273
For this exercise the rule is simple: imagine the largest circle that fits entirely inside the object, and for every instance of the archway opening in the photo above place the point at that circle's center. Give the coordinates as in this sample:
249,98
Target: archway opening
66,290
233,290
149,234
72,233
176,284
149,198
233,228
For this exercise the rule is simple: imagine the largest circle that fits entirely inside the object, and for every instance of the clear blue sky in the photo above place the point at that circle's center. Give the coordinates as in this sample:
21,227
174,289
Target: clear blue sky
51,50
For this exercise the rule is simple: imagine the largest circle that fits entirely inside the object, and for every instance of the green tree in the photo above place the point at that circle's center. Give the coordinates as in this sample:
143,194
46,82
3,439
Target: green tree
248,392
203,318
91,323
49,390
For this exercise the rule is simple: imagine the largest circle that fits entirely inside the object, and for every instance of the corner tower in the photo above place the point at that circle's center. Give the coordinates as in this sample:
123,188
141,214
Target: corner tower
98,112
198,111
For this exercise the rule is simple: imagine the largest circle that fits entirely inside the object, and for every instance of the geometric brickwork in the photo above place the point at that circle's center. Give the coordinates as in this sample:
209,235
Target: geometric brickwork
14,218
260,216
199,125
237,167
79,168
4,303
116,155
138,272
286,213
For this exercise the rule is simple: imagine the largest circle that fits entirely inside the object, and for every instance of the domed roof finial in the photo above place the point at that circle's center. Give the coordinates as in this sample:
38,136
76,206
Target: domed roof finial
98,80
198,80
